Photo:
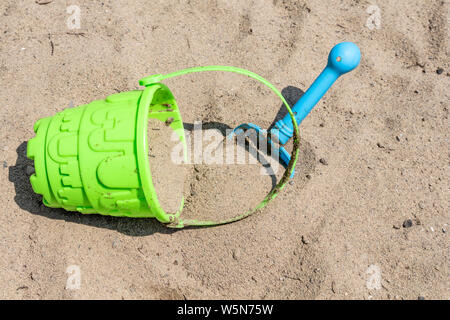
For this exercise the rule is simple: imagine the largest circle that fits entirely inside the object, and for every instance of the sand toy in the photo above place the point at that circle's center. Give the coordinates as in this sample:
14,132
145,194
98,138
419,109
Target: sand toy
94,158
343,58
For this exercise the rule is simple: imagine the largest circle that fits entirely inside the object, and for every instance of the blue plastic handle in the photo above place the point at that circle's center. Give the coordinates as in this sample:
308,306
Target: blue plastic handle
343,58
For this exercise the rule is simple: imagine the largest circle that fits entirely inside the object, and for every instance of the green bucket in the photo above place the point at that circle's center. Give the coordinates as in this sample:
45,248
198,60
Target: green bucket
94,158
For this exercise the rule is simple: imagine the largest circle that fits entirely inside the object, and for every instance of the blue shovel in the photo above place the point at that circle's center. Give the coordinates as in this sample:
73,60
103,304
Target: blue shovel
343,58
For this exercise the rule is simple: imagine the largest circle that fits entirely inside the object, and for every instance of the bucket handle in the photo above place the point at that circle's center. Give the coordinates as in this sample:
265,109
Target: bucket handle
181,223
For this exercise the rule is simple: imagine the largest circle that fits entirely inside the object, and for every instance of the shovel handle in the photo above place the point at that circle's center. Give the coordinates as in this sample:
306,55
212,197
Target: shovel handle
343,58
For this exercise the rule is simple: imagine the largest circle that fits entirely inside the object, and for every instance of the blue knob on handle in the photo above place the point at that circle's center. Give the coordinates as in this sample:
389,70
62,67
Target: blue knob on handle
343,58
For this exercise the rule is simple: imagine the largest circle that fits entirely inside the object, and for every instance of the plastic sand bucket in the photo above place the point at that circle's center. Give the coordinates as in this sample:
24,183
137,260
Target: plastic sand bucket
94,158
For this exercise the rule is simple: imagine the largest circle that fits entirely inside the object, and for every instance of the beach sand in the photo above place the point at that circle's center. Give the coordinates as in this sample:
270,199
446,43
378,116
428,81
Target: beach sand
374,152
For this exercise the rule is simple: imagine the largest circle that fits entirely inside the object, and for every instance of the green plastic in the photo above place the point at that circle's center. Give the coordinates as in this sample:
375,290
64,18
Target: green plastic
94,158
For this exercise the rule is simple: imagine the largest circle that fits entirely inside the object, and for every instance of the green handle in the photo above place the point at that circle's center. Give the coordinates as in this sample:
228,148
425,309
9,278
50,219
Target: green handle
180,223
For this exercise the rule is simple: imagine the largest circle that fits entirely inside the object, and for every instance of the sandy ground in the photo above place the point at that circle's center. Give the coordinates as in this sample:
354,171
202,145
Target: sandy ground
336,232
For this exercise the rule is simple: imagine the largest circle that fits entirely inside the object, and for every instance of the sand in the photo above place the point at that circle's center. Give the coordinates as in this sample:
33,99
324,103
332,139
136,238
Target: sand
167,176
232,177
339,231
221,191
